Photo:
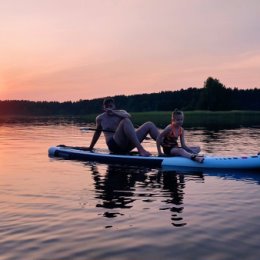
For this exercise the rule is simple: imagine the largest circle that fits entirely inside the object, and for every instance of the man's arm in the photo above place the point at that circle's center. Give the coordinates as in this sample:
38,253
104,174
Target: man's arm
120,113
96,134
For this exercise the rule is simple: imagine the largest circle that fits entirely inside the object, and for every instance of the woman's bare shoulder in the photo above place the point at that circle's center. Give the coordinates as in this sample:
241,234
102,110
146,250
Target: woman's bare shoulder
167,129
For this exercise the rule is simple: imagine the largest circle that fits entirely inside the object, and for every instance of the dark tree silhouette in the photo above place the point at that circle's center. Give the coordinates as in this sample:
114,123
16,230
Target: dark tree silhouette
213,96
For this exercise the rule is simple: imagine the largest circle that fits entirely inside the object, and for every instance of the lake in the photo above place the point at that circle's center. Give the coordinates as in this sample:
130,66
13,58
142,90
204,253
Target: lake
53,209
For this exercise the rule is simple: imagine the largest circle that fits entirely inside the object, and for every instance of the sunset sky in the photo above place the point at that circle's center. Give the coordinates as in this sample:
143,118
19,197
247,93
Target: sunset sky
82,49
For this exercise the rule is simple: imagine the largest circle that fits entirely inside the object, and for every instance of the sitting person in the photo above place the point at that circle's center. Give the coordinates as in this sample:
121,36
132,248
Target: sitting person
168,139
120,134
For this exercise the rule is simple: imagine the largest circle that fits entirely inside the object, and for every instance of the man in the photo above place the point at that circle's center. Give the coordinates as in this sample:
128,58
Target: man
120,134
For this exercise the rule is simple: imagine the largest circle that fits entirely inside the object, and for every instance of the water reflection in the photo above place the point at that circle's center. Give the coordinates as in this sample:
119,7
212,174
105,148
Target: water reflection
251,177
173,185
114,188
247,176
120,187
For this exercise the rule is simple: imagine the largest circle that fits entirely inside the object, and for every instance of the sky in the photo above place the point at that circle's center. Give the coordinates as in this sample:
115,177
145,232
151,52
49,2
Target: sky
61,50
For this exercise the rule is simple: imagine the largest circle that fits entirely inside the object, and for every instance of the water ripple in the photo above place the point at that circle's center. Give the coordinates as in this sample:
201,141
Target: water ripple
56,209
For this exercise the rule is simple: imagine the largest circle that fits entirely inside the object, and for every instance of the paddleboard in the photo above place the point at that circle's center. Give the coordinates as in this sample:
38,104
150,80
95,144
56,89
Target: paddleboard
210,162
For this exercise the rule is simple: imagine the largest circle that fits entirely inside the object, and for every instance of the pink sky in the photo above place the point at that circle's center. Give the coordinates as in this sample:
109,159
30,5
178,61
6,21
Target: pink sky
76,49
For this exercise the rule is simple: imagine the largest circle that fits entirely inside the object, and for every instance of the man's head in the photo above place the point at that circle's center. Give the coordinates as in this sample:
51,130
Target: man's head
108,103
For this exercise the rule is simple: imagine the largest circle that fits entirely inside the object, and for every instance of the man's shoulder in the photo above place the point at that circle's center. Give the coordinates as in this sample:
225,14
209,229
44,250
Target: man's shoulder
100,116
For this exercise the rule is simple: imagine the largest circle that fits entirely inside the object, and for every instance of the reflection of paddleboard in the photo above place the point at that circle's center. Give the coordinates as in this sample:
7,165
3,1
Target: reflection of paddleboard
210,162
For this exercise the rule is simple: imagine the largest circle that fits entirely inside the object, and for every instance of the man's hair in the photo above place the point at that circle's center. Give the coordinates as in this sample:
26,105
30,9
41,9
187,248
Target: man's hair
108,101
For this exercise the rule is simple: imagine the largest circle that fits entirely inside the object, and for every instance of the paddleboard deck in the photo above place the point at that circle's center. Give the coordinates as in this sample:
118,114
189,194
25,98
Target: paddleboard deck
210,162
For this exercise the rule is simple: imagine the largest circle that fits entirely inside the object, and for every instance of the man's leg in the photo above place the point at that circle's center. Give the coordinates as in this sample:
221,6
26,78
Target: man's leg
145,129
127,138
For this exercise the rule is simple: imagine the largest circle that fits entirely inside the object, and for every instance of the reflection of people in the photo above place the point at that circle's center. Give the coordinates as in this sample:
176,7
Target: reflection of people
120,134
115,188
175,184
121,187
168,139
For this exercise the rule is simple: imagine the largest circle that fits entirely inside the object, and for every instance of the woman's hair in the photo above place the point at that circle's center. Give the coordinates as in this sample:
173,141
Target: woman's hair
176,112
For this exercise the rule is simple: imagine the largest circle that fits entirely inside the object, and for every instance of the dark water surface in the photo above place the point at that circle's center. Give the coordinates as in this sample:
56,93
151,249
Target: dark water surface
55,209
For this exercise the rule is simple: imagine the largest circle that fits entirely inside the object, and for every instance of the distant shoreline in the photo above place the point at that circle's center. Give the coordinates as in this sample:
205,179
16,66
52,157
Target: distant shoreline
214,96
200,118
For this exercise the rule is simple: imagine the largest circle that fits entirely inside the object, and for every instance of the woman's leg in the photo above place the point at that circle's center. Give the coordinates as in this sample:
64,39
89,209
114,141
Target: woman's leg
182,152
194,149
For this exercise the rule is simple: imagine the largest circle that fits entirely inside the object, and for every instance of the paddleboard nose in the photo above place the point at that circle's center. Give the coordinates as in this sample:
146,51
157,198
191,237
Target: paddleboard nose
51,151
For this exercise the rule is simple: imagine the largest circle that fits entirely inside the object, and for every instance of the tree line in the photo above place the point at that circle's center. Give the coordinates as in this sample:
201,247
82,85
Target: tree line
214,96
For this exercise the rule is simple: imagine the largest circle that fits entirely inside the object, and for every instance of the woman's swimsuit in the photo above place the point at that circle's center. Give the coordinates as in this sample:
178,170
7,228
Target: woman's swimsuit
171,140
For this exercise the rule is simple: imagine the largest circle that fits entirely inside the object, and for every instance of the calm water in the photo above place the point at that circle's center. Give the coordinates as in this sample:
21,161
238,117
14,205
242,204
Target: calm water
55,209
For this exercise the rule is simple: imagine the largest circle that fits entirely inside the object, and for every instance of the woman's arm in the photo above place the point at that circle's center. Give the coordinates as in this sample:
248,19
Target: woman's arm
183,144
160,138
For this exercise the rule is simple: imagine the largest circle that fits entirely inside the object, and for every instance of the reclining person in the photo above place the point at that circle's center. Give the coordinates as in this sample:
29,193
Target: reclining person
120,134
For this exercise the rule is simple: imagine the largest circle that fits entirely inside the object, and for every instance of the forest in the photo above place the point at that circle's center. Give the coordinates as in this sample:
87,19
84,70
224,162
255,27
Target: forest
214,96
